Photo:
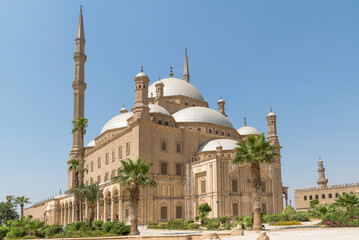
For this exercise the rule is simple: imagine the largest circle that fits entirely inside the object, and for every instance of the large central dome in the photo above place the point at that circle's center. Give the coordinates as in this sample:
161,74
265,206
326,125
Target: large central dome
174,87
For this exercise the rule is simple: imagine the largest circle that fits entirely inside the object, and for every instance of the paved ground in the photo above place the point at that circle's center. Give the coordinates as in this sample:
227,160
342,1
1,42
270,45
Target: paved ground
283,233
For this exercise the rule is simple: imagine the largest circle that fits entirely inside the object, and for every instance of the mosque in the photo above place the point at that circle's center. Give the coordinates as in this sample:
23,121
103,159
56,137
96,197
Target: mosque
190,145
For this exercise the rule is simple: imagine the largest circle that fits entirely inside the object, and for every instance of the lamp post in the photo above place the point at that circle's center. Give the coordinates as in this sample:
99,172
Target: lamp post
218,210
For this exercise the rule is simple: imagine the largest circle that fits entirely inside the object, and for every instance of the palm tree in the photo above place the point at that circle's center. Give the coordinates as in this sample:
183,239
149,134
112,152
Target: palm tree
21,201
10,198
254,151
347,201
90,193
80,125
74,168
133,175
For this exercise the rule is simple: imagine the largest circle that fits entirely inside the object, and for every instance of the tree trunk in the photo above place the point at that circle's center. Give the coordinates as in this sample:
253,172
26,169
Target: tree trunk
22,209
81,160
256,195
92,216
134,199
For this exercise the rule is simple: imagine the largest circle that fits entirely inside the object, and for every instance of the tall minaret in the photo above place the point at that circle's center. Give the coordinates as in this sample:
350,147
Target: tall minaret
79,85
141,111
272,127
185,69
221,104
322,181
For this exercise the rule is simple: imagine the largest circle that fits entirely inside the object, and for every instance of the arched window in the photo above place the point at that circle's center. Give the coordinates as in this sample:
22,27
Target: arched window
178,147
336,195
210,130
330,195
222,133
160,122
316,197
163,145
305,198
217,132
166,123
323,196
310,197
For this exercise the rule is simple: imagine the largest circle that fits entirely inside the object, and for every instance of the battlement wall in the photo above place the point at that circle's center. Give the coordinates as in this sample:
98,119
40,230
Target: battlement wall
339,186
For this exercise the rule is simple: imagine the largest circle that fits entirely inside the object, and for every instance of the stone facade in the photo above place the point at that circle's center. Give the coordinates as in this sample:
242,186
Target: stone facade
325,194
190,145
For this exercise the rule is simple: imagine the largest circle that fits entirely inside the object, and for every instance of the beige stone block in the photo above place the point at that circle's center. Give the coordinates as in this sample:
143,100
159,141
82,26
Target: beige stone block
207,236
238,231
263,236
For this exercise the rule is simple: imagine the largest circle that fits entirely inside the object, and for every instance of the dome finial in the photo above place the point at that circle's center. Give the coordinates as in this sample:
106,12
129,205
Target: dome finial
245,121
80,9
141,68
270,109
171,71
185,51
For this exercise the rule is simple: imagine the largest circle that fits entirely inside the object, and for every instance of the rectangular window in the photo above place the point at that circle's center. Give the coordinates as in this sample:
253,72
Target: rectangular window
128,148
163,213
235,209
178,169
113,155
178,212
263,187
120,152
203,186
113,174
87,168
107,158
234,185
178,148
106,177
163,145
99,162
163,168
99,179
91,166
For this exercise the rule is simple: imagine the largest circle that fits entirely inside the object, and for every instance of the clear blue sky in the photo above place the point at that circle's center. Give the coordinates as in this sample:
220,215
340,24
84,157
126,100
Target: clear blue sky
300,57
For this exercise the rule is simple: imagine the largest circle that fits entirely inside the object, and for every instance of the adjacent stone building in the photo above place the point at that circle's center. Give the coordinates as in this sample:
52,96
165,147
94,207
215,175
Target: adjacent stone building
325,194
190,145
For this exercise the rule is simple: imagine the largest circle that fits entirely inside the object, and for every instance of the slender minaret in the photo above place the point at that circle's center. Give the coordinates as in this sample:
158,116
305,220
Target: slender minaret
322,181
185,69
221,104
141,111
272,127
159,88
79,85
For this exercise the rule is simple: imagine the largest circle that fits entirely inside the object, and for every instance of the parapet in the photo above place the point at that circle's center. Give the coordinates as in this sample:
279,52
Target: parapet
328,187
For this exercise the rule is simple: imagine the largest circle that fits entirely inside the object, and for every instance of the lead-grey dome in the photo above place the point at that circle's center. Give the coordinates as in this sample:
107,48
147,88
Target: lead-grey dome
175,87
247,130
227,144
201,114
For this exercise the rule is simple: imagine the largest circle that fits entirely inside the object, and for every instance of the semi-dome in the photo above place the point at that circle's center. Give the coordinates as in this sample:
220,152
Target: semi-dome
201,114
247,130
158,109
121,120
227,144
91,144
174,87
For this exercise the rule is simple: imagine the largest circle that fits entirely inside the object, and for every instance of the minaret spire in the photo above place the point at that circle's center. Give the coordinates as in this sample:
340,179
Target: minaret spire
322,181
80,26
185,69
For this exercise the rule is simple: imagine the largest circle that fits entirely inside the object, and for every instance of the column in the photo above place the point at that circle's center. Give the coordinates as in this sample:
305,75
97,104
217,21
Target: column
112,200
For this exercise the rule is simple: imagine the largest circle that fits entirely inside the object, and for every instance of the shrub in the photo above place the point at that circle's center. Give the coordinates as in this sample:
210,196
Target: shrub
313,202
162,225
107,226
224,219
203,211
177,225
16,233
3,232
288,213
301,216
189,221
287,223
212,225
52,230
98,224
342,218
227,226
273,218
192,226
76,226
152,225
249,221
238,218
120,229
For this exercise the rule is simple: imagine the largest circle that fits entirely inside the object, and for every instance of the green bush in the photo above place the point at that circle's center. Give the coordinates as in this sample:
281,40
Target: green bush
301,216
120,229
177,225
226,226
52,230
342,218
98,225
313,202
76,226
238,218
162,225
212,225
3,232
273,218
189,221
224,219
192,226
288,213
152,225
287,223
16,233
107,226
248,221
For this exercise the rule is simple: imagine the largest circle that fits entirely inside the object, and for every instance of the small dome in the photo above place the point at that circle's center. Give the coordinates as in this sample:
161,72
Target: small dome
91,144
158,109
271,114
141,74
117,122
176,87
227,144
220,100
201,114
247,130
